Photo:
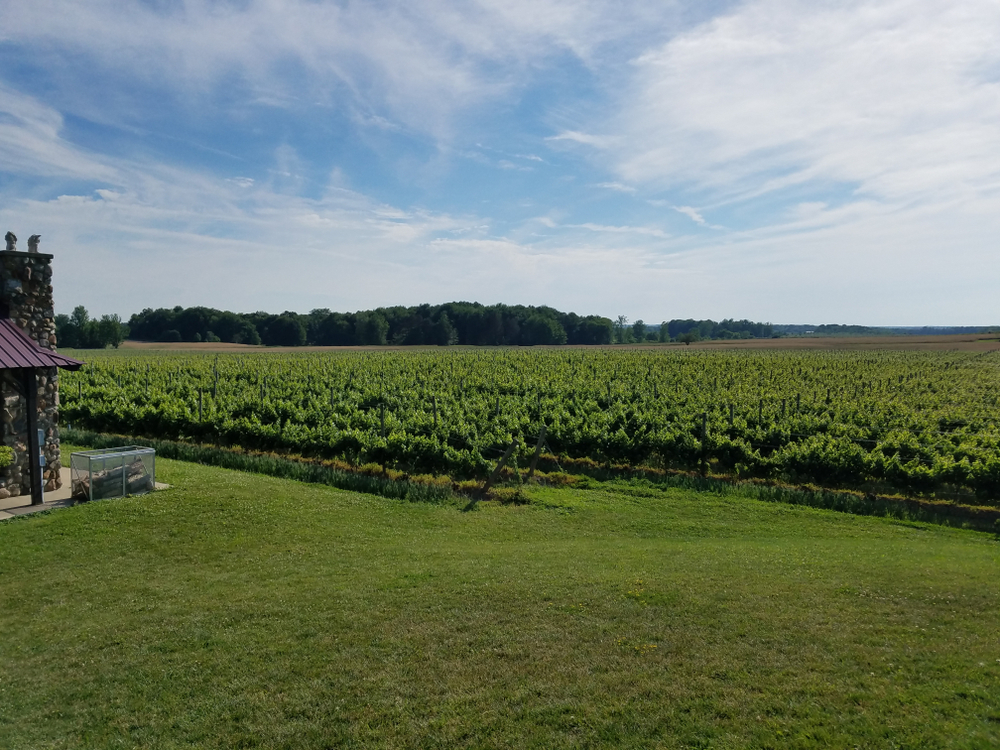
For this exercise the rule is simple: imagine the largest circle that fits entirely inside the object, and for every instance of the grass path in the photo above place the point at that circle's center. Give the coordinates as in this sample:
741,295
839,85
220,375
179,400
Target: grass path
244,611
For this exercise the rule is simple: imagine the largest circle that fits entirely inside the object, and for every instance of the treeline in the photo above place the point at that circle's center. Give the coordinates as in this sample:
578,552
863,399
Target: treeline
434,325
696,330
79,331
467,323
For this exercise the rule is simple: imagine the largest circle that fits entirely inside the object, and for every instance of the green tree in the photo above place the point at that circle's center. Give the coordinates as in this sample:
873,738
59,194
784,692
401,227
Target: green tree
620,327
336,329
285,330
80,317
444,332
371,329
111,331
67,334
541,329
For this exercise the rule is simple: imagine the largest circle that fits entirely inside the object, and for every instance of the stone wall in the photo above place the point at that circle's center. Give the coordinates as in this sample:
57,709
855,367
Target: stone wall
26,293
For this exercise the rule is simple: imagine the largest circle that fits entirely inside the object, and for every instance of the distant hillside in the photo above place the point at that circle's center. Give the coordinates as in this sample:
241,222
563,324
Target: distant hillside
846,330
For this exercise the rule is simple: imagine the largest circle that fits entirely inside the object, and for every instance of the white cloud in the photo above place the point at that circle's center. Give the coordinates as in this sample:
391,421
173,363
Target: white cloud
691,213
31,143
649,231
416,64
897,99
617,187
509,165
586,139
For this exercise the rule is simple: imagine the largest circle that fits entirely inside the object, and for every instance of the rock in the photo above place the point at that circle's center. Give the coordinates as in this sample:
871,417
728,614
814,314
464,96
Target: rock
4,493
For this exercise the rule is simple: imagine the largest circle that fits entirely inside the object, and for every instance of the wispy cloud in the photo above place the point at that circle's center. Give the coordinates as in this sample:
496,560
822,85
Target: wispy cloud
31,142
649,231
895,99
617,187
505,164
416,64
586,139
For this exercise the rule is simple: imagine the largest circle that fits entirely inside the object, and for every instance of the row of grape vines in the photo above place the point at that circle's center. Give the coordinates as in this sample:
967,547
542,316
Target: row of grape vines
916,421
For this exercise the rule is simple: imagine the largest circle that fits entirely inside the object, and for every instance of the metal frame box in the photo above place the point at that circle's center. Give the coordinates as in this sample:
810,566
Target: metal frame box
113,472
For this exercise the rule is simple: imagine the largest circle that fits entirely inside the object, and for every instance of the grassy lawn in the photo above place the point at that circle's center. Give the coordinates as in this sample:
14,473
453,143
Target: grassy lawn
244,611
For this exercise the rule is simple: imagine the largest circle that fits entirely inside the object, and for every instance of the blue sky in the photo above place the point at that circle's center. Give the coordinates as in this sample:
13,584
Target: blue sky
771,159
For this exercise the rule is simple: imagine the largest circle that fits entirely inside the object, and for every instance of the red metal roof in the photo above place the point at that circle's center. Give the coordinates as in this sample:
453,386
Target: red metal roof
18,350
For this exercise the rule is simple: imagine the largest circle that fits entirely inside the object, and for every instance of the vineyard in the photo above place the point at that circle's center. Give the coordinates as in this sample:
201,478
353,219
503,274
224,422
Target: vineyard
913,421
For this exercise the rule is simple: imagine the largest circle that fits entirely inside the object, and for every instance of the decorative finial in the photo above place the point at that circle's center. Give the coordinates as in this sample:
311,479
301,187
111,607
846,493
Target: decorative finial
11,241
33,243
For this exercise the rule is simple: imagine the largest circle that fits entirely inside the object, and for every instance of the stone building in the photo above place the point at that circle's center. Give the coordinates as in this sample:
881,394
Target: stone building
29,371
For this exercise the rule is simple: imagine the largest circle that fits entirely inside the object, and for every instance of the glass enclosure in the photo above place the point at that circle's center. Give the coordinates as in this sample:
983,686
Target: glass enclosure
113,472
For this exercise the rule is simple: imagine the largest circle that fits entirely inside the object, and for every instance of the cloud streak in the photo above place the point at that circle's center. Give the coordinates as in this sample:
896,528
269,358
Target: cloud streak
895,100
419,64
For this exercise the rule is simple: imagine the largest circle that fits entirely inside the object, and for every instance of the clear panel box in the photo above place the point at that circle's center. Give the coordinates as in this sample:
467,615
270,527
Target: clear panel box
113,472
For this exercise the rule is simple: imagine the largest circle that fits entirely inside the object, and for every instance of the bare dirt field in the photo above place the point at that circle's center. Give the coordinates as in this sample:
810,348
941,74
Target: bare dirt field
962,342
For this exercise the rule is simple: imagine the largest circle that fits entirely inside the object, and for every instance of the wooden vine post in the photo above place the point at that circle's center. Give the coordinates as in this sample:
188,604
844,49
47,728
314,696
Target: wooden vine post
704,443
538,451
496,472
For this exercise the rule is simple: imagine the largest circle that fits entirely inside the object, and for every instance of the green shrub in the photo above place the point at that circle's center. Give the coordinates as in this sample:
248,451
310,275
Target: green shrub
6,455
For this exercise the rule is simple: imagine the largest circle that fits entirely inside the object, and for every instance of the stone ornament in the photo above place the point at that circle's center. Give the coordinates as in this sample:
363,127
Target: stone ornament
33,241
11,241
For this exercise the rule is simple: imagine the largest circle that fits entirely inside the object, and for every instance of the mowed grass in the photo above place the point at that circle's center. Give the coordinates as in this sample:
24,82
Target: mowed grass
243,611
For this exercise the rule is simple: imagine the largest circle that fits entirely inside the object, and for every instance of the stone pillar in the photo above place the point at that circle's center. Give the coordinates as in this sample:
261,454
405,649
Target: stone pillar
26,298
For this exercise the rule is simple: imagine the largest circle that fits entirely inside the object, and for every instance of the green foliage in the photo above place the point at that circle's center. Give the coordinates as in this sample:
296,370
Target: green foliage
422,325
910,422
371,329
78,331
284,330
697,330
6,455
276,466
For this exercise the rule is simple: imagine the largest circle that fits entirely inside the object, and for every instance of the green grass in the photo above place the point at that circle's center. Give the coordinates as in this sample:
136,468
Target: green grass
238,610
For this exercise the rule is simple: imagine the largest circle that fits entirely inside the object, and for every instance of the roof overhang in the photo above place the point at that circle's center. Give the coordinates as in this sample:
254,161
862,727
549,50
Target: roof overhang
18,351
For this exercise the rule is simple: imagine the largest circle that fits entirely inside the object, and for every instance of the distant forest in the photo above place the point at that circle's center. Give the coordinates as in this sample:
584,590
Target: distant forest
454,323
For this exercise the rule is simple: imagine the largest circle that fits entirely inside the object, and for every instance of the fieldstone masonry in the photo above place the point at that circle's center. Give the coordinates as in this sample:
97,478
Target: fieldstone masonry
26,293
